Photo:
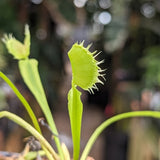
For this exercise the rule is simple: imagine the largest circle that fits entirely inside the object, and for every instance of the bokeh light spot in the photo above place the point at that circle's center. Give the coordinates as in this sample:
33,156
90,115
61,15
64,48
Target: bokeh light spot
104,4
36,1
79,3
148,10
41,34
104,18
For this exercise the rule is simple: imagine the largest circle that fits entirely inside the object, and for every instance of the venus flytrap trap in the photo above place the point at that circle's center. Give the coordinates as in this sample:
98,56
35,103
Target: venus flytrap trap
85,68
15,47
86,72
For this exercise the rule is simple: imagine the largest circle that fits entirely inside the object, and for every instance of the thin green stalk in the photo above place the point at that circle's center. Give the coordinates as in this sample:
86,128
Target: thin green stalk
23,101
31,130
105,124
26,105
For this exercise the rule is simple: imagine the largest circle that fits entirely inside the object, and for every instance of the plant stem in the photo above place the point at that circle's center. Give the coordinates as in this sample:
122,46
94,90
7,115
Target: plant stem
23,100
30,129
105,124
26,105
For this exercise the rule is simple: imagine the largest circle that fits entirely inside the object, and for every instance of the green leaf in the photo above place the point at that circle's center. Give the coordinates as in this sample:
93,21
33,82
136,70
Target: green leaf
75,108
30,74
29,71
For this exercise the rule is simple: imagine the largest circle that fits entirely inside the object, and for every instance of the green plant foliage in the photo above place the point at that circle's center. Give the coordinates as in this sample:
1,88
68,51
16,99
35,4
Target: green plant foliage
29,71
23,100
75,108
106,123
150,62
85,73
85,69
33,155
30,129
30,74
16,48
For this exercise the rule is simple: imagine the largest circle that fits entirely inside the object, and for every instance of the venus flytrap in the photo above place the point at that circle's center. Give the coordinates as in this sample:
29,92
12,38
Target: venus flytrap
15,47
29,71
85,68
86,72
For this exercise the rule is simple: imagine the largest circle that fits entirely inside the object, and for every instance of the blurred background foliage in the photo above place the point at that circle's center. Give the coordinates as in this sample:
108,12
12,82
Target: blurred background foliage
150,62
122,31
126,31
